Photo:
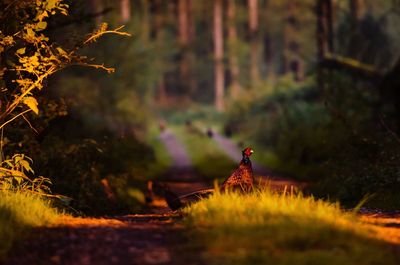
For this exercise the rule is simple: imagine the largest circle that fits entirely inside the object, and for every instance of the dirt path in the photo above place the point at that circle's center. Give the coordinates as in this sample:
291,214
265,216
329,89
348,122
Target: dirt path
177,151
181,178
132,239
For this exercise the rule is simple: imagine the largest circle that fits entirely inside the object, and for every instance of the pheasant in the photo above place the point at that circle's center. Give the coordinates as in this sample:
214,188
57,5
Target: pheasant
240,180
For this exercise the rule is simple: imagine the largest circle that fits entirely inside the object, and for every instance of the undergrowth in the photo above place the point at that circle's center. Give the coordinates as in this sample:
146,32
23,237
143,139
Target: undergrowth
19,212
271,228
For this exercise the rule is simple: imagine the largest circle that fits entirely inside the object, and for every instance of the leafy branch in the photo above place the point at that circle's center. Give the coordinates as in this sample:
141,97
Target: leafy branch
35,59
103,30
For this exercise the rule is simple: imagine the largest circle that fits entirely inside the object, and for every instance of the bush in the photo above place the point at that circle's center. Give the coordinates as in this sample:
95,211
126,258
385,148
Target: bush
98,167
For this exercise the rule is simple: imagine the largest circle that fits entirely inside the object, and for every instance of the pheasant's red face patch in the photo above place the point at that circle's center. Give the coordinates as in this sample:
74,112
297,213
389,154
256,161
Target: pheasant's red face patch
248,151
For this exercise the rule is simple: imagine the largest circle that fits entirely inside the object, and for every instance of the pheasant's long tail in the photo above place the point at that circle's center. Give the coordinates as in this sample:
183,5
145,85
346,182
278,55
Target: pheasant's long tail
176,202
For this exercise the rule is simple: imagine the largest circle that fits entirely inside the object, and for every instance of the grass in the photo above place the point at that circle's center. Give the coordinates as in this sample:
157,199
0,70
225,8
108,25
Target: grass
18,213
163,159
271,228
207,158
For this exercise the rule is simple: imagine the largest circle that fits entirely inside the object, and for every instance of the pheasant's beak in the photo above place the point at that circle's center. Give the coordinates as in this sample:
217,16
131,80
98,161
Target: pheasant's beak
251,151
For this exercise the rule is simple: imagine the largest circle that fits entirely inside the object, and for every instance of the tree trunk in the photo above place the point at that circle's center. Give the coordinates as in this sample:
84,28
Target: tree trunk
183,22
218,56
253,30
324,36
186,35
191,21
162,91
324,28
125,6
145,21
268,45
162,96
357,8
97,6
232,41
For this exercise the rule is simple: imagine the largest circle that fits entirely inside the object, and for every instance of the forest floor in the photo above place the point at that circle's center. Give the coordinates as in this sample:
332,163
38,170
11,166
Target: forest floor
154,238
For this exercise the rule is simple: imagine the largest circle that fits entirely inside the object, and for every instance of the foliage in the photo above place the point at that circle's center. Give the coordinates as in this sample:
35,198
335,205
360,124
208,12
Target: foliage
30,59
14,176
99,168
20,211
271,228
344,146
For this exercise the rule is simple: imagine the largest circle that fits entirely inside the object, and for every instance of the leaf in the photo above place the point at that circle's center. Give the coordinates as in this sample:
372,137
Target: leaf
32,103
61,51
41,16
30,33
19,180
21,51
26,166
51,4
41,25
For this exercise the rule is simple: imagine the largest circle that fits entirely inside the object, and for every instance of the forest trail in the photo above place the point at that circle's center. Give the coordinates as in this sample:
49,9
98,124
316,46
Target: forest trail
181,178
154,238
131,239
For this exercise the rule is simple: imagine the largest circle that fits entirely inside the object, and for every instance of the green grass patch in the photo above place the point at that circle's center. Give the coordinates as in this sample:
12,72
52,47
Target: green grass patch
207,158
270,228
163,160
18,213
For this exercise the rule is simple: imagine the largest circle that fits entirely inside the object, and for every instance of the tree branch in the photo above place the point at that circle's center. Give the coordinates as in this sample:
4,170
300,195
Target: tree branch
352,66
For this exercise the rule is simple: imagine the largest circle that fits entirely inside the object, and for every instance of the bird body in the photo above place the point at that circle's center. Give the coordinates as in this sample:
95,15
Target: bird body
242,178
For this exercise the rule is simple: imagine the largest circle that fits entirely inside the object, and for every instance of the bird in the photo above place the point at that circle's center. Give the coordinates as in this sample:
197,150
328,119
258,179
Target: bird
242,178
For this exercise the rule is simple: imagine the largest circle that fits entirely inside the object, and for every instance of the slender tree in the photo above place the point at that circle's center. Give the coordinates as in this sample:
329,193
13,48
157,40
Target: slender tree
183,22
253,30
292,60
232,42
356,9
162,95
218,56
324,35
97,6
191,22
324,28
267,42
125,7
186,36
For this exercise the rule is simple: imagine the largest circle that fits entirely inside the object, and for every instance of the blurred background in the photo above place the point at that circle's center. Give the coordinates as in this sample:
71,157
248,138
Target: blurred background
312,85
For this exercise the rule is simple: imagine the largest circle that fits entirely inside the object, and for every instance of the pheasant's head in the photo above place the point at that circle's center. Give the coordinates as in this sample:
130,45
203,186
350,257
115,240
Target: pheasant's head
247,152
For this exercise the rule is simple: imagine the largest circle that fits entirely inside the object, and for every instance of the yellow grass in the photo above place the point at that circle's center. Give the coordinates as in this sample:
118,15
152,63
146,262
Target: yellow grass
272,228
18,213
